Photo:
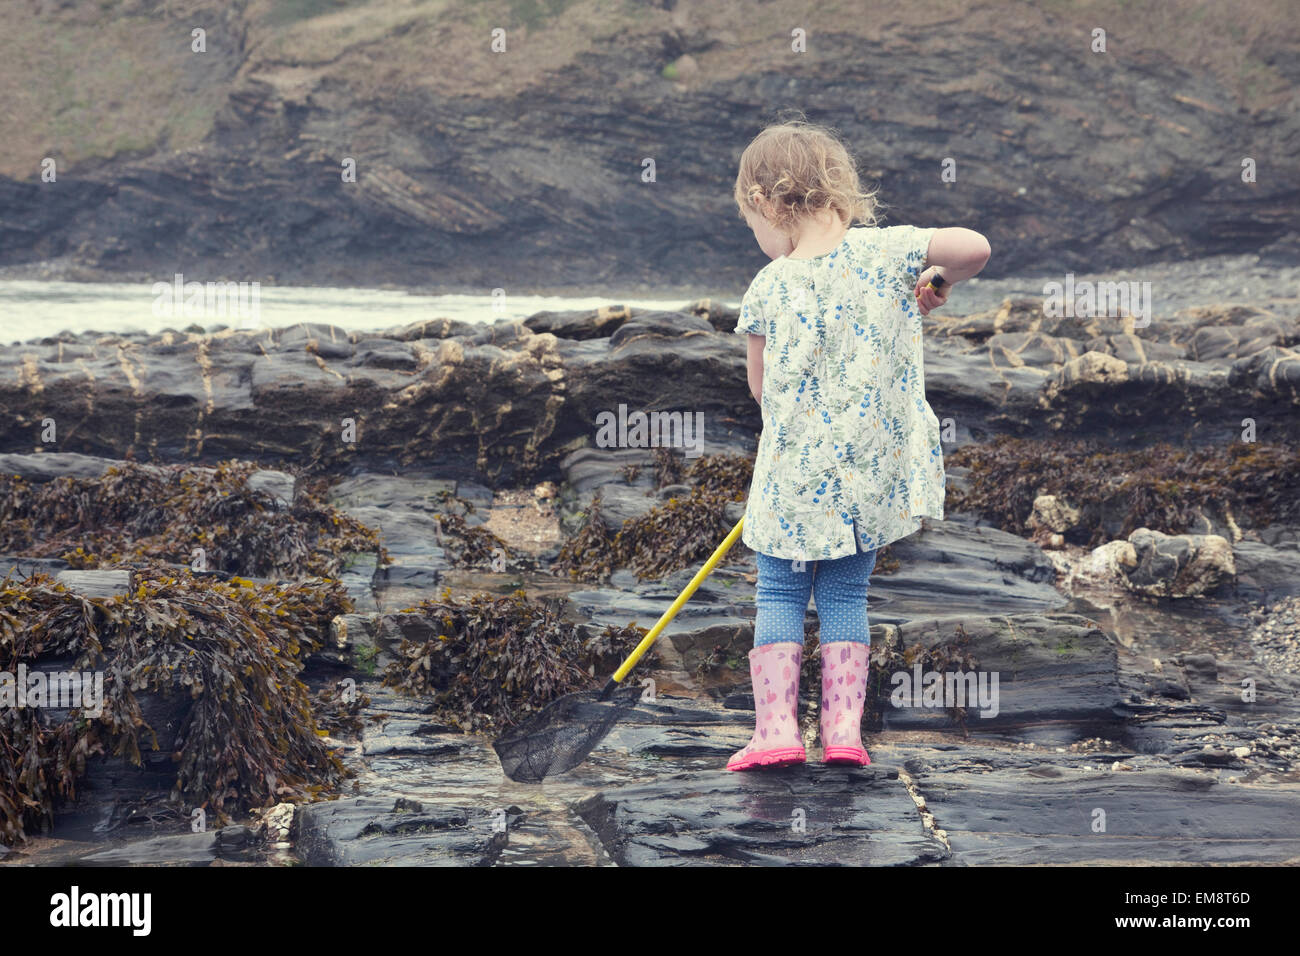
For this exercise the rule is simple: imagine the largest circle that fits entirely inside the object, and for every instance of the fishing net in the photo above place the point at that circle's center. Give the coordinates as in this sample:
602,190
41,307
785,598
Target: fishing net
561,735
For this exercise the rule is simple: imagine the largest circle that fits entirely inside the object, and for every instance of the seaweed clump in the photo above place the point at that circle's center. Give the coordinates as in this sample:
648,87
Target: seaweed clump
668,468
469,546
728,475
589,554
1162,487
673,535
677,534
339,710
138,514
496,660
224,658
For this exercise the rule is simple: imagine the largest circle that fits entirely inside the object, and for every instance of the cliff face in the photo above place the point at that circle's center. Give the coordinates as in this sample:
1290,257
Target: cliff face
478,170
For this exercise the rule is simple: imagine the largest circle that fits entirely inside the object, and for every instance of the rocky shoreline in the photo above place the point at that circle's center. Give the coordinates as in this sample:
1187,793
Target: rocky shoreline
505,403
1123,668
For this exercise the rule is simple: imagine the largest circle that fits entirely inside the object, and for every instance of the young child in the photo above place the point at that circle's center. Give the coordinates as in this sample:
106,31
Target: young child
849,459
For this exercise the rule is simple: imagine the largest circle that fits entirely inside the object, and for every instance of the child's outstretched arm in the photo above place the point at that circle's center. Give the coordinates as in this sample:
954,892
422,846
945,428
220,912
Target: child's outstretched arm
955,254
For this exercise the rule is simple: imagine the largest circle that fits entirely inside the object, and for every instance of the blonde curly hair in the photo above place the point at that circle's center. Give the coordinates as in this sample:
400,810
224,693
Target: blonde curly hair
800,169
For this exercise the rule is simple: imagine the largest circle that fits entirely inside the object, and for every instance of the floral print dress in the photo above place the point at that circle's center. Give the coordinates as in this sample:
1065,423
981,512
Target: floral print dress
850,447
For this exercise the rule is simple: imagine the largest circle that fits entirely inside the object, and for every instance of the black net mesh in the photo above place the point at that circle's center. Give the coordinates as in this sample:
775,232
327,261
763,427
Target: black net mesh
561,735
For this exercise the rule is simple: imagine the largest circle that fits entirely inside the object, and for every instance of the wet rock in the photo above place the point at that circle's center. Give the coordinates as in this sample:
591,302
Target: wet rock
1056,679
1178,566
805,815
181,849
720,601
409,513
361,831
1203,665
384,354
357,575
238,843
276,485
953,567
50,465
1264,572
387,491
428,739
1090,368
236,837
658,325
1273,372
1008,809
625,480
1052,513
1100,376
656,785
21,566
730,641
948,569
1103,566
506,404
353,632
279,821
594,324
720,315
589,471
1276,638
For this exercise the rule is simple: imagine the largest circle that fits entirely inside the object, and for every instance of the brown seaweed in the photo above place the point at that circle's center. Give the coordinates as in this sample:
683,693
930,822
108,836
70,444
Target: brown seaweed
139,514
1164,488
227,653
497,659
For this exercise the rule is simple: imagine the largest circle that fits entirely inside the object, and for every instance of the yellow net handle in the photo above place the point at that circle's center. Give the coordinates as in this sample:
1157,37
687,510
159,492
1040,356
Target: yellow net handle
669,614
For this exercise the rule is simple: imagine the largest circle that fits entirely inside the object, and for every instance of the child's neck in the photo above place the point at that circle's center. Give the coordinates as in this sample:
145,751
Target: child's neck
819,236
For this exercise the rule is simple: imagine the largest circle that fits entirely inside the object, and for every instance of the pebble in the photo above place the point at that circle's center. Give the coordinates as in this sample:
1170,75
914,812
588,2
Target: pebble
1276,638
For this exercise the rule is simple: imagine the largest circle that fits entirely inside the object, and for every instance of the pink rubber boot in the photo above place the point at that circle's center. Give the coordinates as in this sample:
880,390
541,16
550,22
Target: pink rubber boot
844,689
774,669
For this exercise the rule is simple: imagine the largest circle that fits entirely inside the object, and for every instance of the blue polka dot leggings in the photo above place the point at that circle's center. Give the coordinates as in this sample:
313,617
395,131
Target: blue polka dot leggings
839,588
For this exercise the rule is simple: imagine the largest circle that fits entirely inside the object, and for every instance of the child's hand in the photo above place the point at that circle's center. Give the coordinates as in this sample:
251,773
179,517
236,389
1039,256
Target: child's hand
926,297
